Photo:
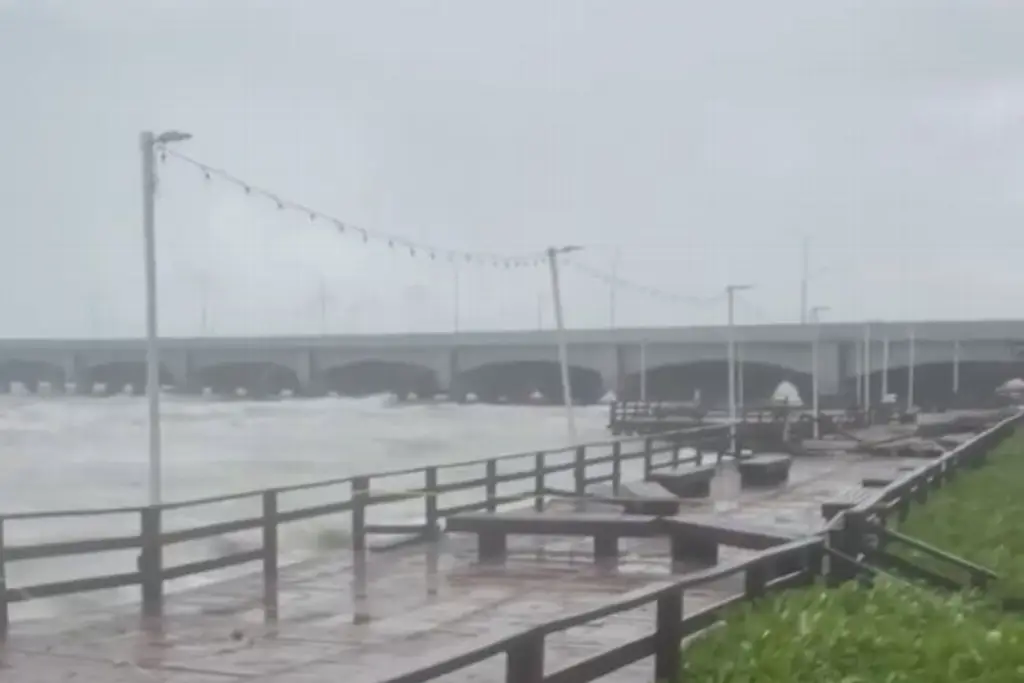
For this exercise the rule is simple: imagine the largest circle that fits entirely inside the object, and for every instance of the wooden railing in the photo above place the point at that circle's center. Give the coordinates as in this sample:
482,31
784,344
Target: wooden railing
841,552
535,476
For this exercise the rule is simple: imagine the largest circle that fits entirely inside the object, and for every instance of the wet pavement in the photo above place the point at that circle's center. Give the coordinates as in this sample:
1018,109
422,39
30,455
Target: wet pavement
363,618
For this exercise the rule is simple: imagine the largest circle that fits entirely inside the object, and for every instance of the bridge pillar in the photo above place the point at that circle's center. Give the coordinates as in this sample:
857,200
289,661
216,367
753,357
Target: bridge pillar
306,370
75,372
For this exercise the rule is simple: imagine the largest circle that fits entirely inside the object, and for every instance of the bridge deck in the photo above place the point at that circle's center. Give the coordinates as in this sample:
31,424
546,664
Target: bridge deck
421,603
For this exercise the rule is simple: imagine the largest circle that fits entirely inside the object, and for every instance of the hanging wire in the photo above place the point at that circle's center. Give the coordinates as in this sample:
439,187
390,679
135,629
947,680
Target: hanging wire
614,280
394,242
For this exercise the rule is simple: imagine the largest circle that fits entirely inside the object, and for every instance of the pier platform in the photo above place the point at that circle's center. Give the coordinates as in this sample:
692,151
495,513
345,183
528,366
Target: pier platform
371,616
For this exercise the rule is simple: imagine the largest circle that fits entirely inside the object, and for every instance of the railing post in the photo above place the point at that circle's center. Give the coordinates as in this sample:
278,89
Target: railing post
754,580
580,471
360,492
524,661
430,501
668,637
5,620
538,481
675,453
648,455
151,563
491,486
270,585
616,467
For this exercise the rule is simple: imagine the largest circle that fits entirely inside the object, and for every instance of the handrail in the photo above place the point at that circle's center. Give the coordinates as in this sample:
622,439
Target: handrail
717,428
151,541
792,563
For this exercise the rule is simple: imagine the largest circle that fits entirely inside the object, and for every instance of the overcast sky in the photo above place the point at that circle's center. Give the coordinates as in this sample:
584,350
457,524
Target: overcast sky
703,139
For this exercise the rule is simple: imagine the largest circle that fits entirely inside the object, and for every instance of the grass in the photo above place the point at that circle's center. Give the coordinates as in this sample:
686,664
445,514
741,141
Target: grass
980,517
895,632
892,633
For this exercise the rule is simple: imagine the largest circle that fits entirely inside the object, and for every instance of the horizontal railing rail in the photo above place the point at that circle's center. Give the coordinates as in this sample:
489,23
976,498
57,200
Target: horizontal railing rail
840,552
535,474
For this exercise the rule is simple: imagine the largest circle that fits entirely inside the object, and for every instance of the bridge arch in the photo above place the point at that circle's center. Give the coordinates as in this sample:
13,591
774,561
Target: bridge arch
523,381
120,375
30,374
933,382
369,377
257,378
681,381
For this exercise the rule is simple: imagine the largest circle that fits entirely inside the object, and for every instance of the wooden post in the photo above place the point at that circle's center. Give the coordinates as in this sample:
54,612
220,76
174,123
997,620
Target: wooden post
270,586
538,481
360,492
151,563
580,471
430,501
524,660
755,579
616,467
491,486
668,637
675,454
5,620
648,448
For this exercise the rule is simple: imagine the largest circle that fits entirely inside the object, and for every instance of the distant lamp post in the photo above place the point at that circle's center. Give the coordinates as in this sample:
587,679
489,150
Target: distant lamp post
815,318
563,347
148,142
730,291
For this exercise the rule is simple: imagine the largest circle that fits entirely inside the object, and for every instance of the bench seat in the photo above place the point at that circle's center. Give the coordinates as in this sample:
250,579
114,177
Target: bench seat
768,469
686,482
637,498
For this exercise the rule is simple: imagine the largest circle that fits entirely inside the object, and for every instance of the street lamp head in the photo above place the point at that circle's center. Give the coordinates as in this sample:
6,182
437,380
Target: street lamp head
171,136
738,288
565,250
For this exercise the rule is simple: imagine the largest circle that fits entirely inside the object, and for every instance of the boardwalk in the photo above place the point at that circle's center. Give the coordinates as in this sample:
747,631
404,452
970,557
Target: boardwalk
367,617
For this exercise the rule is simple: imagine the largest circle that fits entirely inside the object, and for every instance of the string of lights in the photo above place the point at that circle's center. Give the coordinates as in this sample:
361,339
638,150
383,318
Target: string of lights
616,281
394,242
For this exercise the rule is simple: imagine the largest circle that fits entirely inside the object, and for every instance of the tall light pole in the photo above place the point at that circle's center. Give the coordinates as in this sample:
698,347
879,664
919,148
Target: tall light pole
730,292
867,368
613,287
148,142
956,368
815,317
911,362
563,347
885,366
805,266
643,371
456,296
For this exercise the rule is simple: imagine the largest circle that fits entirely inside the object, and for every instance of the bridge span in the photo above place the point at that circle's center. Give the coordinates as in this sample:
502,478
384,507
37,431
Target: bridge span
962,357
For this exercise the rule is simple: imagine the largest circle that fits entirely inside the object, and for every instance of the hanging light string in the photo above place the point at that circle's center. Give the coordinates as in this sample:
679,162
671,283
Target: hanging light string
394,242
614,280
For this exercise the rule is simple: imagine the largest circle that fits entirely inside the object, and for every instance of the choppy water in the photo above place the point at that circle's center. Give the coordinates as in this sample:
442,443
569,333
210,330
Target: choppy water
70,452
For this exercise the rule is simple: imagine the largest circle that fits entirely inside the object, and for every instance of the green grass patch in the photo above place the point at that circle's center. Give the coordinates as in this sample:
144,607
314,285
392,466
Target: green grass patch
892,633
980,517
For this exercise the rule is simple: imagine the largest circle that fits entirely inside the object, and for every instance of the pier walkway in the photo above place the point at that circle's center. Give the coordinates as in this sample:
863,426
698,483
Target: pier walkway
373,615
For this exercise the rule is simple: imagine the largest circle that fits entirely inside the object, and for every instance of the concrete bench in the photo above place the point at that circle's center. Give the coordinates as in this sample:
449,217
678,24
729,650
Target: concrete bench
770,469
693,538
875,482
637,498
701,535
686,482
493,529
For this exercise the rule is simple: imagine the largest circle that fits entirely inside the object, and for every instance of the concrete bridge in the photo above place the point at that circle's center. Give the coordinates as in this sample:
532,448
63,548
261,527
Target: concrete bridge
516,365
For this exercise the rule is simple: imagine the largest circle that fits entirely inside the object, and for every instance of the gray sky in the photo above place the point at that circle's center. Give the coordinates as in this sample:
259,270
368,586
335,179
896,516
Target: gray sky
703,138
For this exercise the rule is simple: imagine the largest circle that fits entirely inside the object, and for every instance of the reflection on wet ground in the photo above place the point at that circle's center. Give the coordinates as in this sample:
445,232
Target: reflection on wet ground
355,618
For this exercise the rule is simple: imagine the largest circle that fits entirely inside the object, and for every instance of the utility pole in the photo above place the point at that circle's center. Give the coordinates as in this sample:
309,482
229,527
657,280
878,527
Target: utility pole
563,347
885,366
815,318
805,274
643,371
456,296
867,368
912,353
148,143
730,292
613,287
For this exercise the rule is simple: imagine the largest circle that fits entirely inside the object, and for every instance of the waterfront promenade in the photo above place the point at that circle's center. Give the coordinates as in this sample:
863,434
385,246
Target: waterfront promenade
373,615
